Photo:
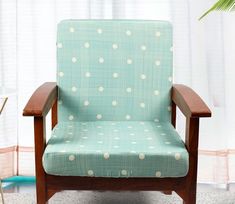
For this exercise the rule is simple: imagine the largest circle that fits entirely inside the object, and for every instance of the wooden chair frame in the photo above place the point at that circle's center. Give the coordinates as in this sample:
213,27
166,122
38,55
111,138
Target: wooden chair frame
191,105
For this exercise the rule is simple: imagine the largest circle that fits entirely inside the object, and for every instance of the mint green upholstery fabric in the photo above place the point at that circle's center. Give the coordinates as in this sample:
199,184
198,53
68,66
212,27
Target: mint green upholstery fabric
116,149
115,72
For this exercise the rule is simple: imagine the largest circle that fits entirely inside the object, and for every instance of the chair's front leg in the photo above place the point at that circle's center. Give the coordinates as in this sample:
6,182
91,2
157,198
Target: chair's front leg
191,141
42,100
193,107
40,143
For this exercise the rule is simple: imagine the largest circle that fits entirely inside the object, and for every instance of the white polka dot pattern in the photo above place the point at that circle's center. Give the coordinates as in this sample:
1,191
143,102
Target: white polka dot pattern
101,89
177,156
124,172
129,61
99,31
169,108
129,90
71,157
74,89
101,60
141,156
98,116
106,155
115,46
59,45
71,117
61,74
143,76
87,45
158,34
157,62
128,33
126,62
86,103
114,103
74,59
90,173
156,92
71,29
142,105
87,74
115,75
143,47
137,142
158,174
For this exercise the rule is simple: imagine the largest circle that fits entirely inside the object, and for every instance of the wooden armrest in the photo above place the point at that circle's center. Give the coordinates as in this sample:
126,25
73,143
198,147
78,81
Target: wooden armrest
189,102
42,100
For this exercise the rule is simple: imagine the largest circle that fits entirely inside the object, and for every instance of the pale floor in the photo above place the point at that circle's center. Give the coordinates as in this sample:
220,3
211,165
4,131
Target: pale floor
29,187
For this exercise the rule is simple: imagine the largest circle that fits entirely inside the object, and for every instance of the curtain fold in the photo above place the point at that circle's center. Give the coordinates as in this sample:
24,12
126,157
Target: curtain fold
204,55
8,78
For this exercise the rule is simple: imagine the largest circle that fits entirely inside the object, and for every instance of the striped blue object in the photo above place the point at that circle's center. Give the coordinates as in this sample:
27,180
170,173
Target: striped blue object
115,71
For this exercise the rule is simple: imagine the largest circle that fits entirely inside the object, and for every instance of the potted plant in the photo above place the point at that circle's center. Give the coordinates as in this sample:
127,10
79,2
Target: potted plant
221,5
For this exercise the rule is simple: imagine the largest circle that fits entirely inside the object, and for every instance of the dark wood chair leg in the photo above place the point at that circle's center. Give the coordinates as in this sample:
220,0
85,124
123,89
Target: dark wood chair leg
54,113
190,198
167,192
189,194
40,142
192,130
191,140
50,193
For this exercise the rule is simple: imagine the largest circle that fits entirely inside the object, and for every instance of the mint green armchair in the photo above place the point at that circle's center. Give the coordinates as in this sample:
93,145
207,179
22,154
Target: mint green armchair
116,112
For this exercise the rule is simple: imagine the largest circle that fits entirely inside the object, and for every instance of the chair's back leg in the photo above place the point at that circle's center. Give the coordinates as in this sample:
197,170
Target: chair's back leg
40,143
173,114
54,117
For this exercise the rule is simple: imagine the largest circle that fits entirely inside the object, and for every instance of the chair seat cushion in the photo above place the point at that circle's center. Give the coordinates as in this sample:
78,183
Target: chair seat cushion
116,149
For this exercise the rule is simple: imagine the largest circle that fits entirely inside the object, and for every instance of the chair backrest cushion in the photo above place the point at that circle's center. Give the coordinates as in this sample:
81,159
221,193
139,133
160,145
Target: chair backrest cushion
114,70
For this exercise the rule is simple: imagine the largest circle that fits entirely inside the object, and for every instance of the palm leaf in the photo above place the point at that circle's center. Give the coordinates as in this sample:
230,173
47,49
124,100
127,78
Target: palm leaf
221,5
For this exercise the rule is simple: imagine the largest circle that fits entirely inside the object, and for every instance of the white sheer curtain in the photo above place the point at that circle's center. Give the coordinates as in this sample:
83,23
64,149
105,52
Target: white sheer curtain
203,59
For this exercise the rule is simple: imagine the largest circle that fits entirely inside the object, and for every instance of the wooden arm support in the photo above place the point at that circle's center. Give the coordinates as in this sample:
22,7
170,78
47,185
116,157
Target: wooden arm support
191,105
42,100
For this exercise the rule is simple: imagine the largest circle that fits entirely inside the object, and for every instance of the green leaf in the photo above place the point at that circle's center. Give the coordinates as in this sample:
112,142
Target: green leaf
221,5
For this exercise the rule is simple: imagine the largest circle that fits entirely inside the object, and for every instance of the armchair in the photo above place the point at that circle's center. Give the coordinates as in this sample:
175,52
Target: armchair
114,113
